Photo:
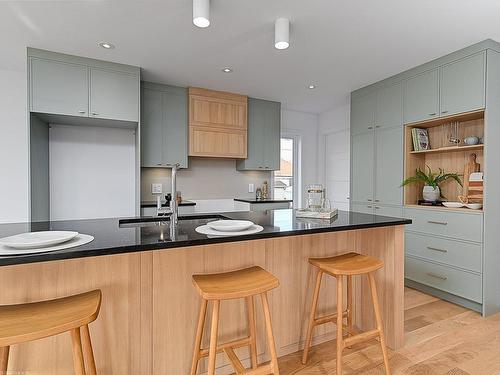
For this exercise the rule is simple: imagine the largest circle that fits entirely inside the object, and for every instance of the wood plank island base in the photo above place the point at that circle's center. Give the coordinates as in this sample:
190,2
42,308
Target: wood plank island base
150,307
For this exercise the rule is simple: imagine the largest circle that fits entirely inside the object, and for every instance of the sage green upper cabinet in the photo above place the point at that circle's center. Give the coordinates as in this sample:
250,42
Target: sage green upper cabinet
389,111
421,97
463,85
362,155
389,165
363,113
264,133
114,95
58,87
164,125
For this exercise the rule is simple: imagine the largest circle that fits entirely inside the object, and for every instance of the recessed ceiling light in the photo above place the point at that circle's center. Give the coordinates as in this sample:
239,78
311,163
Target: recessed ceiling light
311,87
106,45
227,70
201,13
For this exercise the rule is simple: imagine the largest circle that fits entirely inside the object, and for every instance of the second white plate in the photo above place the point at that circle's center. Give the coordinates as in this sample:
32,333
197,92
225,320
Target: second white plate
230,225
205,229
33,240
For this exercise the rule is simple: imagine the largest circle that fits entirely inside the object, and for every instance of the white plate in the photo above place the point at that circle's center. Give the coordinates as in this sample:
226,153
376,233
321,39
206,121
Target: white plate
474,206
205,229
453,204
32,240
230,225
79,240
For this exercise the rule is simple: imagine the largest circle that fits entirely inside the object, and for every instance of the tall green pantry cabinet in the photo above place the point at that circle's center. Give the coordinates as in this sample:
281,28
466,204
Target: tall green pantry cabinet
452,254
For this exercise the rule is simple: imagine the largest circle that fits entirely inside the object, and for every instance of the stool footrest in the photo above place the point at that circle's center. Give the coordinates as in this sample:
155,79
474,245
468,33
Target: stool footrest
231,344
361,337
332,318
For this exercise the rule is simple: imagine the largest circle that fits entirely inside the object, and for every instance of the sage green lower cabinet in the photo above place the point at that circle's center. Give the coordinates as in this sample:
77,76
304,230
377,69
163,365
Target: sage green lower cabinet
421,97
389,165
58,87
362,167
164,125
114,95
463,85
264,134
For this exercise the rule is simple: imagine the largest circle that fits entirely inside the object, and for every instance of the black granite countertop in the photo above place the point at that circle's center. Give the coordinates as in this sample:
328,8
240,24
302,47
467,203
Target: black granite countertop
115,236
253,200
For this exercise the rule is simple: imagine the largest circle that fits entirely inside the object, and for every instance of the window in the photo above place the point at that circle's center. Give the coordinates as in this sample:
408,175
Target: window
284,178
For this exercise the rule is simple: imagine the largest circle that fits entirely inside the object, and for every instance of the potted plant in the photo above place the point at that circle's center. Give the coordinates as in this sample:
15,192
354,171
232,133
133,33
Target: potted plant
431,180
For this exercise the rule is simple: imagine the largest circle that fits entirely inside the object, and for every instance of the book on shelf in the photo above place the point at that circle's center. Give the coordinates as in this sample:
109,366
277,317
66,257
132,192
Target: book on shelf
420,139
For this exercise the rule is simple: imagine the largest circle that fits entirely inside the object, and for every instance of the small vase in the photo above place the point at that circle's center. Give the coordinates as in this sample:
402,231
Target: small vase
431,194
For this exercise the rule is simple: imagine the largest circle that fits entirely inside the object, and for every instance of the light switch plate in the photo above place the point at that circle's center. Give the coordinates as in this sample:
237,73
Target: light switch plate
156,189
251,188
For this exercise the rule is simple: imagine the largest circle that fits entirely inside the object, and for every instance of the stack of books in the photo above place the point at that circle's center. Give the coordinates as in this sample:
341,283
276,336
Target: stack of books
420,139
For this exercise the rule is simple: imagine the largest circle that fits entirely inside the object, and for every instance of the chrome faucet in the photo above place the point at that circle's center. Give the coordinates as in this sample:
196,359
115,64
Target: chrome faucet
173,210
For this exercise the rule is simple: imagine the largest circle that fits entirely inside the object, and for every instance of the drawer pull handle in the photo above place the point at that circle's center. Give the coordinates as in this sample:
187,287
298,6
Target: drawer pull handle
436,276
437,249
437,222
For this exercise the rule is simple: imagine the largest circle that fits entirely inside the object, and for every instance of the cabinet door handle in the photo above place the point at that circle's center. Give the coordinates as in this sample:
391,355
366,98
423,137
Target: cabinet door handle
377,126
437,249
437,222
377,208
370,127
432,114
82,112
436,276
369,200
368,206
377,200
444,111
95,114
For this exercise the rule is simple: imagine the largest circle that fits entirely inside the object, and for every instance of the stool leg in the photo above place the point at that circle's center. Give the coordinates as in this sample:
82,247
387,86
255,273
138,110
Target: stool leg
199,335
214,330
270,337
312,317
350,305
4,359
252,331
76,340
378,318
340,310
87,349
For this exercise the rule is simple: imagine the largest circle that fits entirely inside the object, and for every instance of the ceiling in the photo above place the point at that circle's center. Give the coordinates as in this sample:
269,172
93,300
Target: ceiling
337,45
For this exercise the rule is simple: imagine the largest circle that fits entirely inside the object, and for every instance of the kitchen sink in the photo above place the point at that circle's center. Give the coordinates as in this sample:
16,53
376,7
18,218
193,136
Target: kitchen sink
165,220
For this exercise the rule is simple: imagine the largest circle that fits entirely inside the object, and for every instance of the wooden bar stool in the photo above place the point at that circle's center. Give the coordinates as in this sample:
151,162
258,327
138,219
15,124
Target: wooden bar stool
245,283
349,265
32,321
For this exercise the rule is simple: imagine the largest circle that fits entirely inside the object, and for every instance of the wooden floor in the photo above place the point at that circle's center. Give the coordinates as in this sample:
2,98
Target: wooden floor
441,338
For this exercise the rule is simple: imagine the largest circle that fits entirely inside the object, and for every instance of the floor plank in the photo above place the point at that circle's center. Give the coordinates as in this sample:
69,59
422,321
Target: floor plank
441,339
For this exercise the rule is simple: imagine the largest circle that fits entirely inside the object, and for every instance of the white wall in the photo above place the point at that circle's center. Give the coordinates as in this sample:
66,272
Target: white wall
205,178
92,172
13,147
305,126
334,153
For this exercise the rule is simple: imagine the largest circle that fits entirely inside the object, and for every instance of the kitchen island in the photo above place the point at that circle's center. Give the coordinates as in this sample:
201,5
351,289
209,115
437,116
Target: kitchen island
149,310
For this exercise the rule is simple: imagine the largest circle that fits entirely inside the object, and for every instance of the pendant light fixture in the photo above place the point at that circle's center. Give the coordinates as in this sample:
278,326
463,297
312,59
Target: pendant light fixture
201,13
282,33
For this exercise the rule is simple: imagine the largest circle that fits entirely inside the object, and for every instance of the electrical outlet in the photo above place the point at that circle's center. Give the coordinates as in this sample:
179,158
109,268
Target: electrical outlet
156,189
251,188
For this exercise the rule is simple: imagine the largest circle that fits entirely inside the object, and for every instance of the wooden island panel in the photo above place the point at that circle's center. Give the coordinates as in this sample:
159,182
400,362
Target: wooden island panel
150,306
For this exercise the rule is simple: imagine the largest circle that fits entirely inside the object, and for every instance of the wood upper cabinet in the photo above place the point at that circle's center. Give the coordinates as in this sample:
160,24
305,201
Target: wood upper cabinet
264,132
217,124
363,113
58,87
421,97
463,85
114,95
164,125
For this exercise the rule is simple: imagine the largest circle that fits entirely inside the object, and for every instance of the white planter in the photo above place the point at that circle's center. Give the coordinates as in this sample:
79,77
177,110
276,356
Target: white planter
431,194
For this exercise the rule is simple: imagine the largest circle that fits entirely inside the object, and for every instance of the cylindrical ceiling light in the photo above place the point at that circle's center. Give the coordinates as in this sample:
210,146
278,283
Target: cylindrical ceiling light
201,13
282,33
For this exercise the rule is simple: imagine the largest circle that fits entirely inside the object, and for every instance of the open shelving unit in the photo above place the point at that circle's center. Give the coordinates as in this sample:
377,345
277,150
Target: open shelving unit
441,154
